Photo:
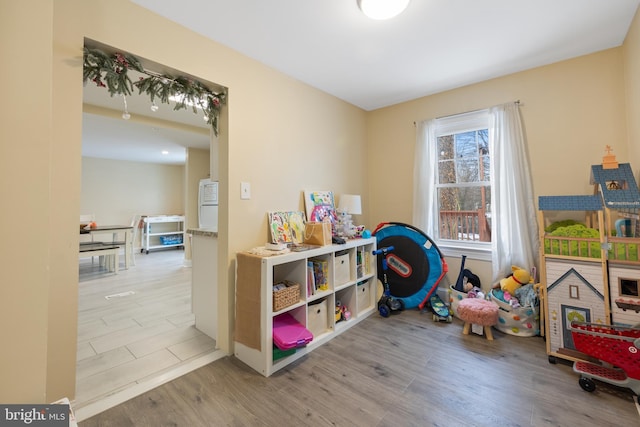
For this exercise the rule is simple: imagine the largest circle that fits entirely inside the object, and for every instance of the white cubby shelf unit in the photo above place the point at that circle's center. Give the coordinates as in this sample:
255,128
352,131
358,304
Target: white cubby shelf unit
350,279
164,227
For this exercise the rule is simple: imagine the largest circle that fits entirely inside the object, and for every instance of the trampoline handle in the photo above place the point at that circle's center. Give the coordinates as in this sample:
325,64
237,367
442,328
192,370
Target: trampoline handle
383,250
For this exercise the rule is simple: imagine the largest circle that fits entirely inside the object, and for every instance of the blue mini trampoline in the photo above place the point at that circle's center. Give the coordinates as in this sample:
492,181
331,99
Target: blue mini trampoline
415,266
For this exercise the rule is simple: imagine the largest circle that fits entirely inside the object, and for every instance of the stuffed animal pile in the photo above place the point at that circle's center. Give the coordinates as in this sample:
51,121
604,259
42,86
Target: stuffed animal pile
470,284
516,289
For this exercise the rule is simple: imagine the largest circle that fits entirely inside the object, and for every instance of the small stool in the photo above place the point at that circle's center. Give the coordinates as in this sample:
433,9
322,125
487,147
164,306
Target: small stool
479,312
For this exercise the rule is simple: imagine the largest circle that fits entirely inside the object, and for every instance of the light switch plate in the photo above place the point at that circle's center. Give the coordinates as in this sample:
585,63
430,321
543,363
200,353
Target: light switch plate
245,190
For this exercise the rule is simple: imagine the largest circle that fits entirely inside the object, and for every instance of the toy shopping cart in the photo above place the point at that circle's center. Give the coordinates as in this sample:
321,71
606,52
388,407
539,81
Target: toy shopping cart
618,347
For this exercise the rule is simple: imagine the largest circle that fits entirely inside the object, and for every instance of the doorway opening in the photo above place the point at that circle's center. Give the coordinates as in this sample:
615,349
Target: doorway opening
136,329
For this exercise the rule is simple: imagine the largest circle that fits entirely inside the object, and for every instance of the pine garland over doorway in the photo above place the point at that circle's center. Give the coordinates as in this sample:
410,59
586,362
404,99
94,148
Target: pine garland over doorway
111,71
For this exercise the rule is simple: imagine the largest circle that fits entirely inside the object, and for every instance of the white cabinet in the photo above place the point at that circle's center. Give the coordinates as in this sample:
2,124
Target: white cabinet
162,231
204,281
350,276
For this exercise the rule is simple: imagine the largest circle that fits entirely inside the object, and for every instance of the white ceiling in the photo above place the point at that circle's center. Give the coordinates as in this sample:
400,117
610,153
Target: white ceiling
433,46
142,138
115,138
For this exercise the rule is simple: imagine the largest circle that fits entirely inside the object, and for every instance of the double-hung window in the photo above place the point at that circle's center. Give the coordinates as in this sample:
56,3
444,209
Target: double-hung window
472,187
463,183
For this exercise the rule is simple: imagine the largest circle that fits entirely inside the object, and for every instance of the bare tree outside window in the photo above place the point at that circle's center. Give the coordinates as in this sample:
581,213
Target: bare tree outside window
464,191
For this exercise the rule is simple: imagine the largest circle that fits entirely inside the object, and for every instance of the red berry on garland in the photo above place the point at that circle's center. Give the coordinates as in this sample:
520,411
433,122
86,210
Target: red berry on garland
121,59
98,82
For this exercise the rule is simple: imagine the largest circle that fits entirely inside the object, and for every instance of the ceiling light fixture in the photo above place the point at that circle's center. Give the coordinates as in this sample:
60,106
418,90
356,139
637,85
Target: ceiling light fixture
382,9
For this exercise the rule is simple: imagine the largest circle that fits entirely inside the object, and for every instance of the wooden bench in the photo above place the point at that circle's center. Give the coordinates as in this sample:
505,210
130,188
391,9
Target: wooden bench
106,251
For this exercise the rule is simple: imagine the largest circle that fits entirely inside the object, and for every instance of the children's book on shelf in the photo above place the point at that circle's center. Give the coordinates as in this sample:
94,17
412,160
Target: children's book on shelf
311,279
296,225
286,227
363,262
321,274
367,262
320,206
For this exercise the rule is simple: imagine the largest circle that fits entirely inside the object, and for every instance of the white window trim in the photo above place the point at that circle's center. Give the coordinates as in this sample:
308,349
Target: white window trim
480,251
459,123
462,123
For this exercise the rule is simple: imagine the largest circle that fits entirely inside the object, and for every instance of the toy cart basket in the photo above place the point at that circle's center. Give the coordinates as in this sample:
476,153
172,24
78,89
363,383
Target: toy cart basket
615,345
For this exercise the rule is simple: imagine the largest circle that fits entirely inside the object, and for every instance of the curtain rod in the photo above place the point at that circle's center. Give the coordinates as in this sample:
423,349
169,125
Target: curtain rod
469,112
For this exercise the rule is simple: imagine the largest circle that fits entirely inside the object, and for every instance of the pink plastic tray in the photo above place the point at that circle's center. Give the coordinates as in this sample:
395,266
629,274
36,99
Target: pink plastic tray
288,333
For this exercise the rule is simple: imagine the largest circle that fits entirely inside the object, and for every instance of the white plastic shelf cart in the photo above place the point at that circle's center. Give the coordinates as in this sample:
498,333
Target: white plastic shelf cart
162,231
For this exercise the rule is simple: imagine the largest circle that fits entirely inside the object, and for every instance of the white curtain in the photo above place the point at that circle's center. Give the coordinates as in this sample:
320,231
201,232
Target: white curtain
514,239
425,169
514,226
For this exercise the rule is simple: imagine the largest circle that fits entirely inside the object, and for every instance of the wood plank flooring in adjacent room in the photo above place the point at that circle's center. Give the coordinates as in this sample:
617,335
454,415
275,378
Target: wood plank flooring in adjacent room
134,325
405,370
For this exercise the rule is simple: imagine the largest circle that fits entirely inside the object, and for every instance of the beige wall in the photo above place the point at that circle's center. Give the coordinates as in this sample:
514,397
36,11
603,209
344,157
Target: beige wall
631,49
115,190
143,189
27,178
314,141
571,110
197,167
273,122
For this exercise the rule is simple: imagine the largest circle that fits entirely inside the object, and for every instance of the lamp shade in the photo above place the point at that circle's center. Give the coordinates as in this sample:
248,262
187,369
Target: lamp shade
382,9
351,204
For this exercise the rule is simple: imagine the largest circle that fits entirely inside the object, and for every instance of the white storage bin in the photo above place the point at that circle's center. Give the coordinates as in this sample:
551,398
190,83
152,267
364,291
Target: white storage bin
342,269
363,296
317,318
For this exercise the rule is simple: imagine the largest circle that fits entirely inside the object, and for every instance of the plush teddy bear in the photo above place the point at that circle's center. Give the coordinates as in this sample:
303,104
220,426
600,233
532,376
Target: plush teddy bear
519,277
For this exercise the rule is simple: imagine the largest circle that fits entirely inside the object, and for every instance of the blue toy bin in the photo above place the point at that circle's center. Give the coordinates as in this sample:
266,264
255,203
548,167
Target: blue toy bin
173,239
521,321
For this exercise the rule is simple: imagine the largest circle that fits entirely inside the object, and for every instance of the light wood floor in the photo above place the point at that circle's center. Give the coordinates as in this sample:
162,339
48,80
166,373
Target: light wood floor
134,325
405,370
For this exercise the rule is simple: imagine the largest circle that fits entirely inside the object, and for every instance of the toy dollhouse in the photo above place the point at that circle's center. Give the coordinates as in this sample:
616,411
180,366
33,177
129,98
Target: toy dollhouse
589,260
622,206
